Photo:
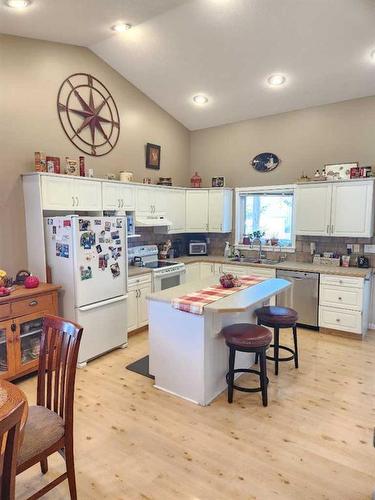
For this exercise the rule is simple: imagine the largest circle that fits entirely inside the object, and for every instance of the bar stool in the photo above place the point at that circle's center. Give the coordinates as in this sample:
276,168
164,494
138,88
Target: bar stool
279,317
246,337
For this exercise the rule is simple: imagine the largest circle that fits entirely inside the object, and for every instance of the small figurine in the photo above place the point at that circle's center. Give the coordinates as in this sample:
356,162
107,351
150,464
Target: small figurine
196,180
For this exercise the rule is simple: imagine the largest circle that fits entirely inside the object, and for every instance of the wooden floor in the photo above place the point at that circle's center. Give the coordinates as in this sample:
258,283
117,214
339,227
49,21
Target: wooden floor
313,441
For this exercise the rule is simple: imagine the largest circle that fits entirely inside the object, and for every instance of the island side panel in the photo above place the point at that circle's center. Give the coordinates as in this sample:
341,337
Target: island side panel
176,341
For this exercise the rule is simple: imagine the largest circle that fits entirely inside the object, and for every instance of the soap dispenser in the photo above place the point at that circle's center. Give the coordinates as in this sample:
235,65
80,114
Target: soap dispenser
226,250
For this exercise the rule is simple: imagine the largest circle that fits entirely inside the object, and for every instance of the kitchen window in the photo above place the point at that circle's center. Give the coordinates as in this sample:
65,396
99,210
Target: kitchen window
268,212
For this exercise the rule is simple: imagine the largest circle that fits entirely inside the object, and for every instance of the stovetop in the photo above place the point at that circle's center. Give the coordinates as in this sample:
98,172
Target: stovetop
159,264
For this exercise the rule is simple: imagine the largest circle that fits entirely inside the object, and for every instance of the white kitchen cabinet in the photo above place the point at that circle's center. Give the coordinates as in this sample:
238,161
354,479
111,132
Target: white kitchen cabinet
336,209
138,289
118,196
197,210
249,271
220,203
352,209
344,303
59,193
150,200
313,209
192,271
175,210
207,269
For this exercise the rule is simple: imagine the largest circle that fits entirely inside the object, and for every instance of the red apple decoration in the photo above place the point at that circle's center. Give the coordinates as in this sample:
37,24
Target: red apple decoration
31,282
227,280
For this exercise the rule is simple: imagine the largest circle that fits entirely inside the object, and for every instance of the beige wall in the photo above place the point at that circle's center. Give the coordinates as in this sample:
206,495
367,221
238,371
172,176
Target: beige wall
304,140
31,72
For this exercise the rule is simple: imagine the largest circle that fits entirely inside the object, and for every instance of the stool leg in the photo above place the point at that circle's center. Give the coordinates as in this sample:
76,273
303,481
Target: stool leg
263,377
295,346
256,358
232,356
276,349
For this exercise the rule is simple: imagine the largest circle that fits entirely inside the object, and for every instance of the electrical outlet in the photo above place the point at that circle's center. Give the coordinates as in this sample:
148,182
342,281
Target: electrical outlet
356,248
349,247
369,249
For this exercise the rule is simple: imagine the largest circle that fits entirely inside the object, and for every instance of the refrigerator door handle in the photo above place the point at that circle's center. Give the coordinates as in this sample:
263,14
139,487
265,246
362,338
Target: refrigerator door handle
102,303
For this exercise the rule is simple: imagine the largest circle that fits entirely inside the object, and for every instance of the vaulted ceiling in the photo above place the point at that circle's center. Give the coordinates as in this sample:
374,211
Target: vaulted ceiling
224,49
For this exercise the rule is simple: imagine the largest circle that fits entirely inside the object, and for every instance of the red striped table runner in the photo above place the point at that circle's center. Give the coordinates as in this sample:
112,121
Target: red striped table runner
195,302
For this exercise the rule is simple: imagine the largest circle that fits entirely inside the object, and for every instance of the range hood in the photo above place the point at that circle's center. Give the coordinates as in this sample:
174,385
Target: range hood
152,221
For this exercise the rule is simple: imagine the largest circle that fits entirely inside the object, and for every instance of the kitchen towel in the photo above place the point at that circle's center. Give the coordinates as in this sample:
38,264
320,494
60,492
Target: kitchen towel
195,302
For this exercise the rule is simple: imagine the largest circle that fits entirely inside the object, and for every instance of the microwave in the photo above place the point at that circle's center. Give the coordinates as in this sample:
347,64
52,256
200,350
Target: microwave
197,248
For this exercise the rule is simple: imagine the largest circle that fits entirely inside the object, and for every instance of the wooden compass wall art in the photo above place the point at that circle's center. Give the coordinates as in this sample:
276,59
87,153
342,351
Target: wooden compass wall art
88,114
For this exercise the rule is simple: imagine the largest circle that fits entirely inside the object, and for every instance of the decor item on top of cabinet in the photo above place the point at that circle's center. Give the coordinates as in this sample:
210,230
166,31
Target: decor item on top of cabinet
71,166
153,156
88,114
218,182
165,181
196,181
339,171
146,180
265,162
126,176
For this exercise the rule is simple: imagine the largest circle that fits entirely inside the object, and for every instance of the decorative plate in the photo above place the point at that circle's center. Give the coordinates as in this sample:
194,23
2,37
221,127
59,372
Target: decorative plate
265,162
88,114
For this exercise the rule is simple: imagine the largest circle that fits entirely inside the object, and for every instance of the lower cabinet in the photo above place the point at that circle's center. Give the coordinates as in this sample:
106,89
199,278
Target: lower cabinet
344,303
20,332
138,289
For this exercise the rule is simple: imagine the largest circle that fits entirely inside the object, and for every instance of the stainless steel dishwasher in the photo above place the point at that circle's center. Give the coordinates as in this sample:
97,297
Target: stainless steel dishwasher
302,296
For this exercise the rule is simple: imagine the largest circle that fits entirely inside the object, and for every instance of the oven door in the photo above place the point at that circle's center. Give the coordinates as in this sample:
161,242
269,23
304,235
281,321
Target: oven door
169,280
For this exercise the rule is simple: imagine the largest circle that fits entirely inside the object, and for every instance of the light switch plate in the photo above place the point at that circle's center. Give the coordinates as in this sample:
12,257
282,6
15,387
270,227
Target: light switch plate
369,249
356,248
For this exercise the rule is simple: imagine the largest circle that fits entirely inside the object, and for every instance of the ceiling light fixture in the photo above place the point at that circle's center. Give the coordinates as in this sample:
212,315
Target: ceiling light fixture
276,80
121,27
372,55
17,4
200,99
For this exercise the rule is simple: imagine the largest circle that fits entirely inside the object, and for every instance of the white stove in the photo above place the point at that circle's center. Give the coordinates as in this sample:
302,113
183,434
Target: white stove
165,273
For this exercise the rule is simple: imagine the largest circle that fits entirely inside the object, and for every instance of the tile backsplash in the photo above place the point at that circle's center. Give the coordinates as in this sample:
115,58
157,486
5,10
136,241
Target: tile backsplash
216,244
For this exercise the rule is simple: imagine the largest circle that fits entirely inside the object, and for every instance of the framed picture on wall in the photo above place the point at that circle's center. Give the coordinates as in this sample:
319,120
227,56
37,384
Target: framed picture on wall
153,156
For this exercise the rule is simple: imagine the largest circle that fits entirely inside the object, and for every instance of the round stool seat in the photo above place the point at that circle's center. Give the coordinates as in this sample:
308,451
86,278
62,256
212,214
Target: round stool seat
246,335
275,315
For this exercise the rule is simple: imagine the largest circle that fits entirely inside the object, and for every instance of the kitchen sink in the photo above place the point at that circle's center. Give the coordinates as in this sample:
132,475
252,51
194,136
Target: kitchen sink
249,260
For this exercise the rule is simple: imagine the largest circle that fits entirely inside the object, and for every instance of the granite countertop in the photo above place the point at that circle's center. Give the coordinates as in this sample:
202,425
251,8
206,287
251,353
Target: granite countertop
236,302
287,265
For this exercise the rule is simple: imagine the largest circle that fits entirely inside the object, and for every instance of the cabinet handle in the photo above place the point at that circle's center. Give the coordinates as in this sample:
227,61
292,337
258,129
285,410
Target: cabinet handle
140,292
338,320
73,201
327,228
340,298
77,200
13,327
332,229
221,227
33,303
122,203
118,203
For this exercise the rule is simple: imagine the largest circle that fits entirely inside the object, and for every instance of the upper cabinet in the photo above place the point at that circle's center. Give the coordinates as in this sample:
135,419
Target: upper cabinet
313,209
197,210
176,210
220,203
335,209
59,193
149,201
118,196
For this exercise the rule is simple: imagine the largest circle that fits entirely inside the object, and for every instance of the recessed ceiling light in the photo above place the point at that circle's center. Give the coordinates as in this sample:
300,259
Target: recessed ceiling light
372,55
276,80
121,27
17,4
200,99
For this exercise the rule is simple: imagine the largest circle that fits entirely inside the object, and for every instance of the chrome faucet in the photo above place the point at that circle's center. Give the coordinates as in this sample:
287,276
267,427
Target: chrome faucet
280,250
260,254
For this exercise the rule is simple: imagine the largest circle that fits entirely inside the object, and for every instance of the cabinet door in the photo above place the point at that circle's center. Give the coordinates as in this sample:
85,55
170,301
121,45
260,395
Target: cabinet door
207,269
196,210
193,272
132,304
176,209
313,210
159,199
215,210
127,196
144,200
111,196
27,341
7,365
88,195
352,209
57,193
144,290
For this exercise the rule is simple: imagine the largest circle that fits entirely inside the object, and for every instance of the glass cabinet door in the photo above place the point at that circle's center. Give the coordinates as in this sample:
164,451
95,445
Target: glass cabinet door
4,362
29,335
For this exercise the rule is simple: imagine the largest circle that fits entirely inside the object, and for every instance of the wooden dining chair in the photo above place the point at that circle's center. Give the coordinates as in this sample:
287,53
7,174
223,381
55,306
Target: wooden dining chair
10,440
49,427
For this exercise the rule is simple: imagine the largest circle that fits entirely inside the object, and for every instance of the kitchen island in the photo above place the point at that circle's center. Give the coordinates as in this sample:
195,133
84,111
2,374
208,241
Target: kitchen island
188,355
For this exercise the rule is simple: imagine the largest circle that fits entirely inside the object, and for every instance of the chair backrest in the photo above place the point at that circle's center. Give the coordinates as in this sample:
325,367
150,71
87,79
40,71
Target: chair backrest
59,347
9,439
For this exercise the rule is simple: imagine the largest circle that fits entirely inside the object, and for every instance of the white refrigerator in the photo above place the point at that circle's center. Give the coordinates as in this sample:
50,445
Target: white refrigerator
88,258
